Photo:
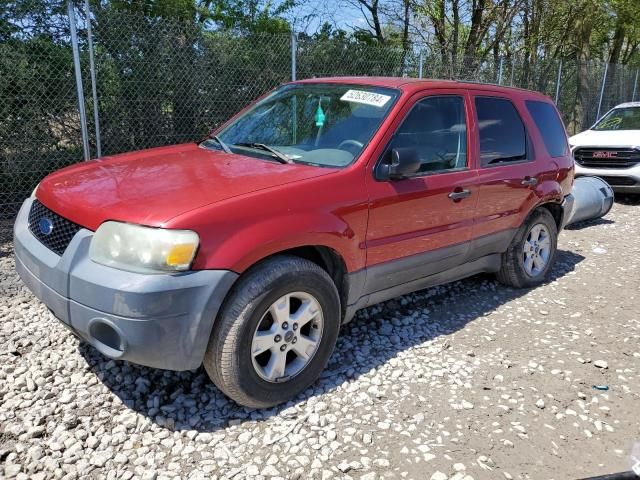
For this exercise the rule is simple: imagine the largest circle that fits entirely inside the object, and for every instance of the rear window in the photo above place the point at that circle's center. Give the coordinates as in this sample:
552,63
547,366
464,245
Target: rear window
503,138
550,127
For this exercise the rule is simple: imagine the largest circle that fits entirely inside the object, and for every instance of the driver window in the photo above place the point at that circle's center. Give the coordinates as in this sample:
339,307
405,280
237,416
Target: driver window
436,129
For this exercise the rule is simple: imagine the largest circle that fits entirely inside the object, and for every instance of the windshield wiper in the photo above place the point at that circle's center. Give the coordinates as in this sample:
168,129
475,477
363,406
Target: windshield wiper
261,146
224,146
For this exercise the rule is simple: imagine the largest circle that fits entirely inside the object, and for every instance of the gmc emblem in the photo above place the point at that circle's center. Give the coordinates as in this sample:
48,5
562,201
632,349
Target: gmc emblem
604,154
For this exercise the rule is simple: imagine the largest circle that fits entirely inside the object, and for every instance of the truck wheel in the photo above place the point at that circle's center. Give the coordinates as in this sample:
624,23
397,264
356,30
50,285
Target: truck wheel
532,253
275,332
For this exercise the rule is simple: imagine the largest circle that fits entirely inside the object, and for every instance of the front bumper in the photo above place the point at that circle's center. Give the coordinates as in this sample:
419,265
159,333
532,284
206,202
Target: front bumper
161,321
620,179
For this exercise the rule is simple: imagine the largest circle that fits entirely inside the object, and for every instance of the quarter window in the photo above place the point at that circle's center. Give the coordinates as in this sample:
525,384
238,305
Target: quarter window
550,127
502,133
436,129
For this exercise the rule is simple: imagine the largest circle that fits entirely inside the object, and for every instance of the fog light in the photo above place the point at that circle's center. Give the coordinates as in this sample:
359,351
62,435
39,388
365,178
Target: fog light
106,338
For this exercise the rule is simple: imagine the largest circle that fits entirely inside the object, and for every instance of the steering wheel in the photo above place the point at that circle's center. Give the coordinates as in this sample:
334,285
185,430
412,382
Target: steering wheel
350,143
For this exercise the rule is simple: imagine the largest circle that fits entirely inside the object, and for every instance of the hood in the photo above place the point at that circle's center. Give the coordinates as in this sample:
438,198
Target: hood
152,186
606,138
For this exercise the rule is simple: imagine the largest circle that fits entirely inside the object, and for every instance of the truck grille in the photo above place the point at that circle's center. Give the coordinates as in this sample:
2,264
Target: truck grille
607,157
41,220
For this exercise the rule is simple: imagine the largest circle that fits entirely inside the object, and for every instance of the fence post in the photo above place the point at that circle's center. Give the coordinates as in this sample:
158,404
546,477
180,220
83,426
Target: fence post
76,66
420,62
604,81
94,88
294,52
500,72
558,82
635,87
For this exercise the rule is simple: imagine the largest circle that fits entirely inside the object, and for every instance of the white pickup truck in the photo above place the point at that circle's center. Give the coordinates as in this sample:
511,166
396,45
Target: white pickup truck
611,148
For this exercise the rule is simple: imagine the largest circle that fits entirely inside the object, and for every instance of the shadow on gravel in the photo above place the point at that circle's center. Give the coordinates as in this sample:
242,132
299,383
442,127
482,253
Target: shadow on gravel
589,223
189,401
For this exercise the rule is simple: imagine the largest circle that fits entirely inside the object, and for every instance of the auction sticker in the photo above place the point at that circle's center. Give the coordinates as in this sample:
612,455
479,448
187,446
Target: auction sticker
367,98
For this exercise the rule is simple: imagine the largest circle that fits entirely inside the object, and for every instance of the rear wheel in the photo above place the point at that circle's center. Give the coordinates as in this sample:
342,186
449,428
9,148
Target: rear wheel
275,333
530,257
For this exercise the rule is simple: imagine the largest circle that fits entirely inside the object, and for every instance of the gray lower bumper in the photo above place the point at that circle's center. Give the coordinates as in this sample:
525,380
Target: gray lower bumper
625,180
568,205
161,321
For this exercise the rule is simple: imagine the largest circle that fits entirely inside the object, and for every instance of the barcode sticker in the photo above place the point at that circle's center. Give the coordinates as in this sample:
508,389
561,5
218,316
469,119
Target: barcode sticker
367,98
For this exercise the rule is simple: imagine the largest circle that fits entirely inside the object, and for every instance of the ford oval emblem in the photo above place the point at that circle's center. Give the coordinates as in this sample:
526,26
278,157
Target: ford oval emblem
46,226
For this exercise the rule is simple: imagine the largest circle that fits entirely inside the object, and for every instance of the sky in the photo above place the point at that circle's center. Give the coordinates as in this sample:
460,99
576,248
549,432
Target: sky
337,12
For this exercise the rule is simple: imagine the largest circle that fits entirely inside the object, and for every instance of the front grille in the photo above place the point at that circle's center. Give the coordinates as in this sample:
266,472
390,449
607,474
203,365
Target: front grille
619,181
62,230
607,157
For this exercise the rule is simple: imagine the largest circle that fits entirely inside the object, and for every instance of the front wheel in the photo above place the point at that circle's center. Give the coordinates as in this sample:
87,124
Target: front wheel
275,333
530,257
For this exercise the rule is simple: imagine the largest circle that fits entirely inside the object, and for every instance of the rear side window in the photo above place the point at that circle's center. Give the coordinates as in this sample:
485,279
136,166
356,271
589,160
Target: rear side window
502,133
550,127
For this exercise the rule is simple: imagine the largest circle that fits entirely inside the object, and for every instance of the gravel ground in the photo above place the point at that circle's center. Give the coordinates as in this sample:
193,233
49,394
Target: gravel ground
467,381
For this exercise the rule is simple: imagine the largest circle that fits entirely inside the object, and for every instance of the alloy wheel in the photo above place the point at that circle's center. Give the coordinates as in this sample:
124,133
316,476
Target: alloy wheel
287,337
536,250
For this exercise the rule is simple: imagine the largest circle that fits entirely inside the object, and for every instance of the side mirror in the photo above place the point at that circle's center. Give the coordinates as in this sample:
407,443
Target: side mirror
404,162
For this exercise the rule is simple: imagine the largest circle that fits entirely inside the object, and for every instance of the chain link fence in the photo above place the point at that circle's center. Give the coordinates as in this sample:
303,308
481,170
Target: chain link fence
39,119
161,82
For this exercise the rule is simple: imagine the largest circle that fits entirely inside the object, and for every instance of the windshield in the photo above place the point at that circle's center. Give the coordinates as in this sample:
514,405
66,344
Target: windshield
319,124
620,119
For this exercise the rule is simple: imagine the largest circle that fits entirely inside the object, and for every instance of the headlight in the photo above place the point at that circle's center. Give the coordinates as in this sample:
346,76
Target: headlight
143,249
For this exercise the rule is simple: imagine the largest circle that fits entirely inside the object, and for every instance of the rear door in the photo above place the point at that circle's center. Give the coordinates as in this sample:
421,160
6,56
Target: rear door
507,174
422,225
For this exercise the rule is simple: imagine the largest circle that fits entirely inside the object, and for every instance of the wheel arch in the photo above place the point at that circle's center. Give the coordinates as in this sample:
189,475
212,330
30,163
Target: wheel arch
327,258
556,211
550,196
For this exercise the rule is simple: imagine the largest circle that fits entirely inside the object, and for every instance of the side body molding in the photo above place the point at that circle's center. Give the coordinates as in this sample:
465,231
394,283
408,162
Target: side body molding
382,282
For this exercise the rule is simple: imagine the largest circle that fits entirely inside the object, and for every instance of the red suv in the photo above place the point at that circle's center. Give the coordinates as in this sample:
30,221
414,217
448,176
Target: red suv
247,251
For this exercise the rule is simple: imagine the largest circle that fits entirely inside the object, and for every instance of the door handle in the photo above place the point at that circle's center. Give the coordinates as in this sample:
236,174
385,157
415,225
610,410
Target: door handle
530,181
456,196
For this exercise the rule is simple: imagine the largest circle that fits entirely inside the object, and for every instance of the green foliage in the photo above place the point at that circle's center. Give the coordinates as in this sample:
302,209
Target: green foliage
39,130
170,81
256,16
184,10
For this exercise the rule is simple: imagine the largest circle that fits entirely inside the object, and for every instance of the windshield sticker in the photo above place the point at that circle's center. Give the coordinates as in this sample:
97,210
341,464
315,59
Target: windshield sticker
610,123
367,98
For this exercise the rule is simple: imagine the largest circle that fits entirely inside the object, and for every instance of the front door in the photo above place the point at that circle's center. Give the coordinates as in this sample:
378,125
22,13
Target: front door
422,225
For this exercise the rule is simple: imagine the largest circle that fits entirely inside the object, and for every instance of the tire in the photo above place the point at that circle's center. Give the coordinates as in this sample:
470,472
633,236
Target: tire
269,287
515,270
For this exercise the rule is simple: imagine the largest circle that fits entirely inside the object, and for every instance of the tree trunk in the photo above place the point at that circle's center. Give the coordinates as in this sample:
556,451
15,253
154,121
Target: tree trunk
455,7
376,21
474,38
438,20
582,32
618,41
405,32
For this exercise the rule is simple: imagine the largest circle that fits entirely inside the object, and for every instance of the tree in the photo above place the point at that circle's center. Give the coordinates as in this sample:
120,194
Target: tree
388,22
625,38
250,15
